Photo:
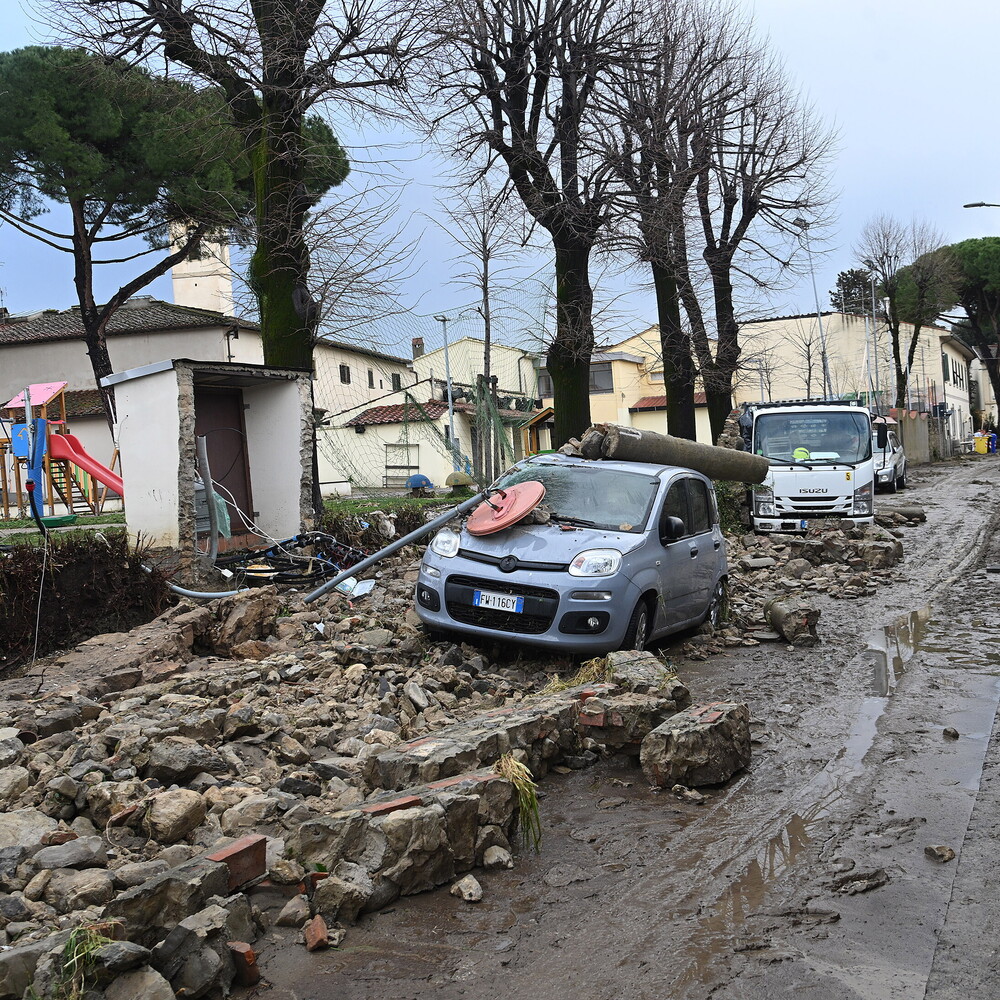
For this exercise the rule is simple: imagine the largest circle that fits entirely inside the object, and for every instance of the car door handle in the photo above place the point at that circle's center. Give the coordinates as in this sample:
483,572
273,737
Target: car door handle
694,552
716,545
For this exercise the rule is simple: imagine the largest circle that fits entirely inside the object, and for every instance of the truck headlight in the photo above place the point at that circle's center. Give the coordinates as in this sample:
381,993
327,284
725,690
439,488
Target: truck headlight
763,503
445,543
596,562
863,500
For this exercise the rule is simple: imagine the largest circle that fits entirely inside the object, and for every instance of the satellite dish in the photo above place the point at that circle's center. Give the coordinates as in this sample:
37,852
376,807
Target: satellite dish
504,508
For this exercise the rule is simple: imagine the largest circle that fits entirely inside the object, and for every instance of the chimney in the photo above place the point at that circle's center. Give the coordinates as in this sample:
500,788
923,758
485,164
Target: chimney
418,347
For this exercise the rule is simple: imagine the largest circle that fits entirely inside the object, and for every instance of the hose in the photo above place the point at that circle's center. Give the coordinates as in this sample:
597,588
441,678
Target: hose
29,486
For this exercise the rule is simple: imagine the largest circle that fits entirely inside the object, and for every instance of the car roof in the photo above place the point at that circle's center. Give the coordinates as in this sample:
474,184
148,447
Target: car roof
647,468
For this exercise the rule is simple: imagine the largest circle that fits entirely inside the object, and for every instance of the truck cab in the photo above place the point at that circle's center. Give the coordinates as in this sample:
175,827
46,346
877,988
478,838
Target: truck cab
821,463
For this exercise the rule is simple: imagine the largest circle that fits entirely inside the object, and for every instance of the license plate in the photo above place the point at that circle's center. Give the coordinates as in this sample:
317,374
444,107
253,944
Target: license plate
498,602
803,525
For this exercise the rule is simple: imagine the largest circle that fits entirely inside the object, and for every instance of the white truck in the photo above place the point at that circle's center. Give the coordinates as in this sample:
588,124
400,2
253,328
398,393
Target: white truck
821,462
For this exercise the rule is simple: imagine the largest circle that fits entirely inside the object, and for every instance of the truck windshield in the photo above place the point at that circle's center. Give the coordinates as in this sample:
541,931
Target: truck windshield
605,498
814,437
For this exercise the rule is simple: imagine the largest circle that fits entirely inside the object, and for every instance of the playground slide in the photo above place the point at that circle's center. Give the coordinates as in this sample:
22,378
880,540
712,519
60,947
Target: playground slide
68,446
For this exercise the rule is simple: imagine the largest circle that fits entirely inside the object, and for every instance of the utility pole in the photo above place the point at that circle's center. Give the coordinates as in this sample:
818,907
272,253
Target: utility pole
443,320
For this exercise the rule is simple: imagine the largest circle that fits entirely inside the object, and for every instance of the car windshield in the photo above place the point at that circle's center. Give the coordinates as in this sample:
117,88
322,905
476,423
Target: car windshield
815,438
591,495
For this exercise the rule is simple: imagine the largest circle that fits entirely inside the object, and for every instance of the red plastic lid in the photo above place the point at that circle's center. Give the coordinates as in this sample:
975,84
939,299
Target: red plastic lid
505,508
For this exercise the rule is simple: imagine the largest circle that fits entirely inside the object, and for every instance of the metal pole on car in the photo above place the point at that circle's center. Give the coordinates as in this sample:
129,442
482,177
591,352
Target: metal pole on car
395,546
443,320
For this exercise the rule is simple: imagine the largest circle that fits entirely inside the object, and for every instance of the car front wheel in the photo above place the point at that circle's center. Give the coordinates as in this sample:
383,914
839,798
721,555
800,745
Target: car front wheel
637,633
902,479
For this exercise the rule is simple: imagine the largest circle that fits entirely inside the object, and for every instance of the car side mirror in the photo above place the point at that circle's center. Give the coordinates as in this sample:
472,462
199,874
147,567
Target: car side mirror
672,529
881,435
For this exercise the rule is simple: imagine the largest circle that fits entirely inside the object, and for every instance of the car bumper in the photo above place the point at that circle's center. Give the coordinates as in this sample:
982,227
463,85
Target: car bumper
790,525
554,611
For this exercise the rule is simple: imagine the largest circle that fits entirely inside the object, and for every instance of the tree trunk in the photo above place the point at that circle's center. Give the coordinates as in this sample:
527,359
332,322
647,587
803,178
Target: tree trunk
280,263
678,366
568,361
719,378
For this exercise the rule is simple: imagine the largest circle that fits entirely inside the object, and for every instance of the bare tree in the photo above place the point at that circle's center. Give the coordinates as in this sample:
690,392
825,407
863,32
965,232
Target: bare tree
478,220
516,80
807,349
915,281
760,164
685,66
275,62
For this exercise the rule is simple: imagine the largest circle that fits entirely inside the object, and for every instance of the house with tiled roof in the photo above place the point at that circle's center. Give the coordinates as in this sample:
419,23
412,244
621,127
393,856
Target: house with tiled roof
48,345
414,431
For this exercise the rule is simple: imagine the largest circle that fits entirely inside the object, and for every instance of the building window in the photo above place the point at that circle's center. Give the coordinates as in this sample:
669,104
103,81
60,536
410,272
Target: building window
544,383
345,374
371,379
397,381
601,379
656,376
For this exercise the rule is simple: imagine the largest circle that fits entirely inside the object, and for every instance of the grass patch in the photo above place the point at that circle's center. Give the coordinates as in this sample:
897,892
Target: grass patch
519,776
116,517
77,963
595,671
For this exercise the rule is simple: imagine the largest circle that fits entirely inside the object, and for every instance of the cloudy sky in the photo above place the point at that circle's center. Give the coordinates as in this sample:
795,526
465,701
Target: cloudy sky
910,85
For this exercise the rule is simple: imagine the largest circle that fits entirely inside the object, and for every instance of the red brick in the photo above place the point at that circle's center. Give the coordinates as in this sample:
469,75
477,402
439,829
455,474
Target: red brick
246,859
381,808
591,720
316,935
711,717
245,961
616,719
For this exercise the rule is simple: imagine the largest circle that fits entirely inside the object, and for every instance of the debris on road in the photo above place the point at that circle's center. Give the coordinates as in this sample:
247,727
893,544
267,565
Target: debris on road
793,619
704,745
939,852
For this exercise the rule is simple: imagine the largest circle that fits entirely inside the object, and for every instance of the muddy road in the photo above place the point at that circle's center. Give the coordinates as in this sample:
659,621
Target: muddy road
807,875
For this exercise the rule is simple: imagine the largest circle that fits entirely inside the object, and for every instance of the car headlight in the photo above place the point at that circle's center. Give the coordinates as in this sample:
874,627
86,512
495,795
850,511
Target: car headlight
445,543
863,500
596,562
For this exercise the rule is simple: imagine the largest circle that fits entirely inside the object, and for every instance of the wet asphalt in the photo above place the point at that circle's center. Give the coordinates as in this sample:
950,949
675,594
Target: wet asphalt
806,875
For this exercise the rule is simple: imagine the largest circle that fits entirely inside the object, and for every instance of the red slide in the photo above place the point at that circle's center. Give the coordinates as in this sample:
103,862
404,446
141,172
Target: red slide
68,446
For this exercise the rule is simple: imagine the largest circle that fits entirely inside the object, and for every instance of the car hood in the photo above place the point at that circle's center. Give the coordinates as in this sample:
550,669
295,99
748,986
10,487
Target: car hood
548,543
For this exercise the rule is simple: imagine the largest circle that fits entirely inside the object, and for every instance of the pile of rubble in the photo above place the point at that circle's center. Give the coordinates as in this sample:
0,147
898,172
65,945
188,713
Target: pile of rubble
840,559
256,761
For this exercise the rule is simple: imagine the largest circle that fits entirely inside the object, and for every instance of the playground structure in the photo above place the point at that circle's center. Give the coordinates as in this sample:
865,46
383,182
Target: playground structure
70,477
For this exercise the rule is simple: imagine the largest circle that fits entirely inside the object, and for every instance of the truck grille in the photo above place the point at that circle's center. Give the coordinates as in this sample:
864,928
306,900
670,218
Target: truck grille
813,505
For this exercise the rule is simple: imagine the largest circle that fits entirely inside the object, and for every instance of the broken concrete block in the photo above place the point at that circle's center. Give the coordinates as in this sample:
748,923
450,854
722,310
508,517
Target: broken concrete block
342,895
703,745
159,904
467,888
172,815
24,827
146,983
294,913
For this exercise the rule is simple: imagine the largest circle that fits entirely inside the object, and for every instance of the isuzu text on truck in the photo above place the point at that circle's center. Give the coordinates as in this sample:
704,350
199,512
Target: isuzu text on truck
821,462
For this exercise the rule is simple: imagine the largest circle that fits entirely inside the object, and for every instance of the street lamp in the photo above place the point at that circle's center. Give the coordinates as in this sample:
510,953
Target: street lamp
443,320
981,204
828,384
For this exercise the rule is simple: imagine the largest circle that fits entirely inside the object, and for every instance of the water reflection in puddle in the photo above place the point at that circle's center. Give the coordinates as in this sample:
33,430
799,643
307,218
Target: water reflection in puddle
890,649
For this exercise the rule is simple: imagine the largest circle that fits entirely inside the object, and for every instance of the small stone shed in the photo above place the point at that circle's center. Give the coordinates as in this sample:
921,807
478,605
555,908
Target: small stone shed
257,424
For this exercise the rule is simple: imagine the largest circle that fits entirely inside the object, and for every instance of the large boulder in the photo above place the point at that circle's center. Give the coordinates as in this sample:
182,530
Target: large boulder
24,827
173,815
703,745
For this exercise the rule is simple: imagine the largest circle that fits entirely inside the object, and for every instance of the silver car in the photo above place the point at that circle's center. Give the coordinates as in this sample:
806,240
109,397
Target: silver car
632,552
890,463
